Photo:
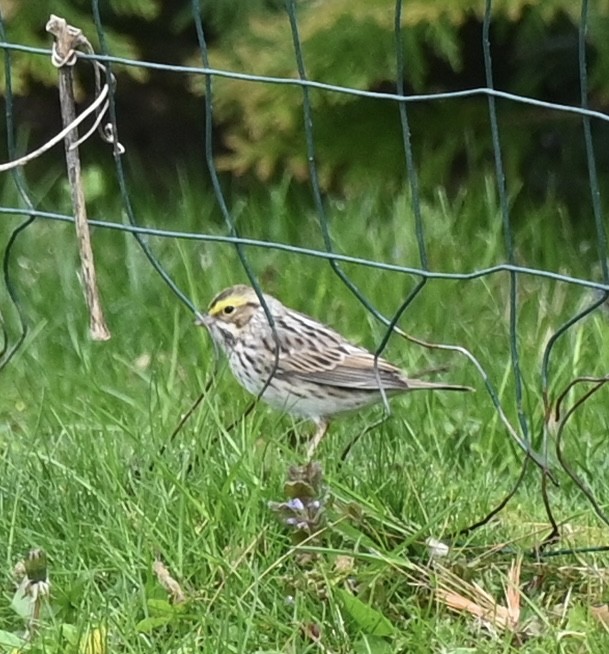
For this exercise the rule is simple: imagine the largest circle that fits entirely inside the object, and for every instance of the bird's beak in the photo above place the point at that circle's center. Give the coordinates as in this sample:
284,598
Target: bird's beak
202,320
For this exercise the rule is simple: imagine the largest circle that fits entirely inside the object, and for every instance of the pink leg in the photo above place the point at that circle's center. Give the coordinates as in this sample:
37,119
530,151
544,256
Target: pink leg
322,428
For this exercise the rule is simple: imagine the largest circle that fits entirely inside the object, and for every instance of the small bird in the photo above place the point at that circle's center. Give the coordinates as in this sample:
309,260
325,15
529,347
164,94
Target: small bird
317,374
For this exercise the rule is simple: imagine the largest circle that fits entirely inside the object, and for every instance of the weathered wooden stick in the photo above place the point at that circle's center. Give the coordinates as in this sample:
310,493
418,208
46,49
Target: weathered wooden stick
67,40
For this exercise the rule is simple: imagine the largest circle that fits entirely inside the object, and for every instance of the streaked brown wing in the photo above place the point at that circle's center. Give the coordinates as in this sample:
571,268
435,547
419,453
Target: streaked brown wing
358,371
313,352
321,355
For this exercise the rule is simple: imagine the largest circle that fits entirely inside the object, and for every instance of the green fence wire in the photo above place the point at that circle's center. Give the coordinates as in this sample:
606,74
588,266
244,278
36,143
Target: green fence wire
535,449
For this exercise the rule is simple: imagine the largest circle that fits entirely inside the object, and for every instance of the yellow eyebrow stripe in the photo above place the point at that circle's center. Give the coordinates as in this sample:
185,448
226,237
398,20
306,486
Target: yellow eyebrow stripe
231,301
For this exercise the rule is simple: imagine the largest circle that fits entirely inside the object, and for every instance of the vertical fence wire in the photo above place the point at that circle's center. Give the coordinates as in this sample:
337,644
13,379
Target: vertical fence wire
120,171
8,351
601,236
311,156
505,214
601,241
209,158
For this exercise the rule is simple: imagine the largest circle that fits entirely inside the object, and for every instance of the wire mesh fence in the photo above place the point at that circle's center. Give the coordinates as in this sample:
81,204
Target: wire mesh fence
544,448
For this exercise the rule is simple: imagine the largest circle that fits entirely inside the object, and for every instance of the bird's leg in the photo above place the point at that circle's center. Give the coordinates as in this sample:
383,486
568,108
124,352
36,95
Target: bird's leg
322,428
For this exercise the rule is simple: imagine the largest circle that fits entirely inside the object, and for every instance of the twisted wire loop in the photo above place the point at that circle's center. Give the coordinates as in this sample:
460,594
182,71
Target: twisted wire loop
65,52
69,41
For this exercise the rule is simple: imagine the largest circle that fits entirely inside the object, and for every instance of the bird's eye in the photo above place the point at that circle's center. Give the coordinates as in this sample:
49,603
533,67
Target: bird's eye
228,310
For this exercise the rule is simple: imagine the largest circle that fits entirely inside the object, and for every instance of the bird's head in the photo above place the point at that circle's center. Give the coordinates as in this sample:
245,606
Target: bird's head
229,313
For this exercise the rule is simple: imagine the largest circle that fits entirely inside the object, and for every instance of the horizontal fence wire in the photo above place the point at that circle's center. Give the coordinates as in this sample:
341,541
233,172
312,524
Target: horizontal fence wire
322,86
536,447
315,253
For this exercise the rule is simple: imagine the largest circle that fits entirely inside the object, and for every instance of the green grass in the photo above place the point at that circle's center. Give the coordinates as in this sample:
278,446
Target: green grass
82,425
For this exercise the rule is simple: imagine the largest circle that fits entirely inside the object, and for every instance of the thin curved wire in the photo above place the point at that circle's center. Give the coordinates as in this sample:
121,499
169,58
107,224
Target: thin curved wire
498,508
601,236
120,172
8,351
579,482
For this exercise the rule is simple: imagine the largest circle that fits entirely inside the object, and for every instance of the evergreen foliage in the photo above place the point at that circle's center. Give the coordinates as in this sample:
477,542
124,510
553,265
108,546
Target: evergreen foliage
351,43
